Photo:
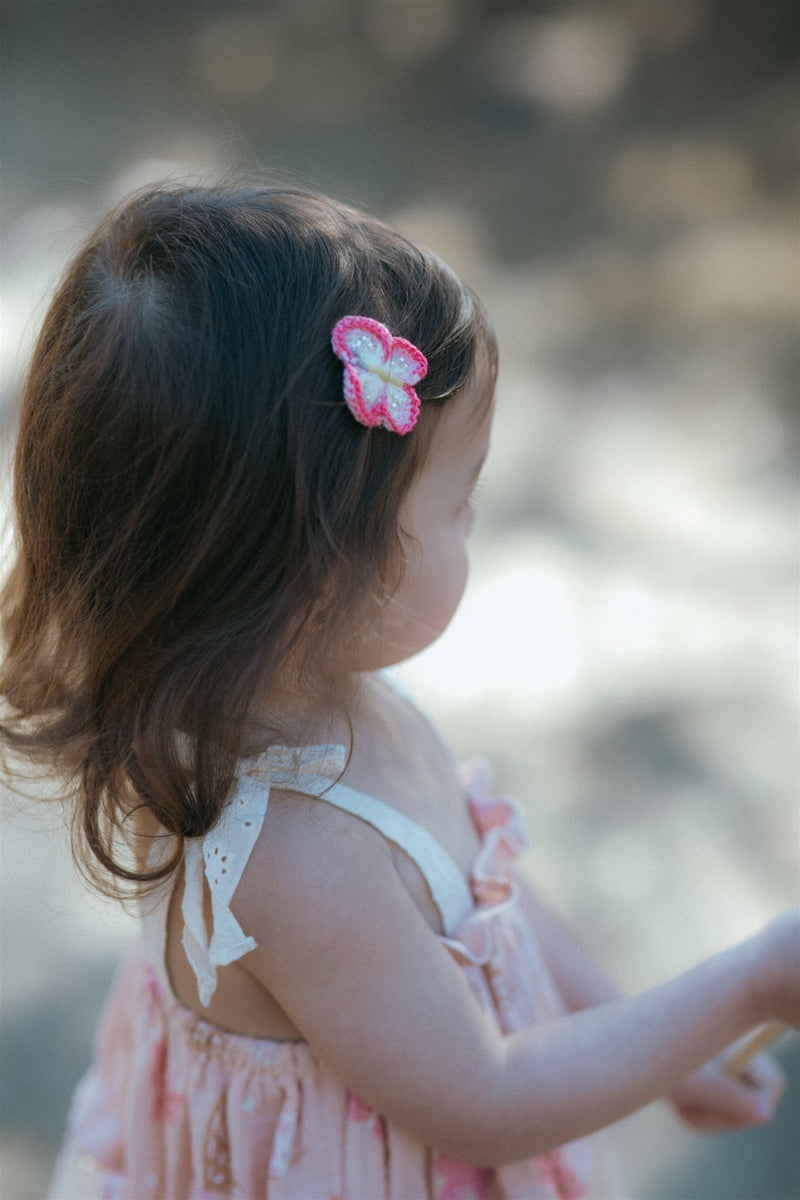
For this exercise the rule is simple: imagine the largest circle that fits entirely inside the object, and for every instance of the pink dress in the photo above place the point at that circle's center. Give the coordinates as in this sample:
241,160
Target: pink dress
175,1108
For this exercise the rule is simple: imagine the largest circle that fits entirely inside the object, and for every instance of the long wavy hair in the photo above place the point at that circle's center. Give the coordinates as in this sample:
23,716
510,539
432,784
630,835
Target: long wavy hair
188,483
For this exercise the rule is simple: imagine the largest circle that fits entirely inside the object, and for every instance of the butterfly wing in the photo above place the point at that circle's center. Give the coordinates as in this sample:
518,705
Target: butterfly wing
400,408
362,342
407,364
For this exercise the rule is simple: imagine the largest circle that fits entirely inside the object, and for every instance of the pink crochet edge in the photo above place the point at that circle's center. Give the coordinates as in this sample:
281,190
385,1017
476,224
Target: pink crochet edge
379,373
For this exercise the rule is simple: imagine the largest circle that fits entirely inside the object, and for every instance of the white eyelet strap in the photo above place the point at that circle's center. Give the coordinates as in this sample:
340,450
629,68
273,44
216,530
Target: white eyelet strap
221,856
449,889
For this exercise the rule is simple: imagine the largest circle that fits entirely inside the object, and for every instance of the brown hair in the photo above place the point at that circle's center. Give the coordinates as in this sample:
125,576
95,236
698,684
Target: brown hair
188,482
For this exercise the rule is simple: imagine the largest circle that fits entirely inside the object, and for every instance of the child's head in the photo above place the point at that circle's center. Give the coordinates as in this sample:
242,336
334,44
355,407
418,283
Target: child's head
196,505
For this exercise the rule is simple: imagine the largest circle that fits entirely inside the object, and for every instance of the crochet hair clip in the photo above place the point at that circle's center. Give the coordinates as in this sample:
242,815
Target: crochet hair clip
379,373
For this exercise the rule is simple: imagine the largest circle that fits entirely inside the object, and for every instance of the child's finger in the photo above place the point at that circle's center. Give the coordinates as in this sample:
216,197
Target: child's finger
757,1092
765,1076
739,1055
712,1100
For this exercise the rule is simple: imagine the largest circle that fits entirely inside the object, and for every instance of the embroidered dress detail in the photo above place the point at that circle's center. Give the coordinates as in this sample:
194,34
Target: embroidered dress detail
222,855
379,373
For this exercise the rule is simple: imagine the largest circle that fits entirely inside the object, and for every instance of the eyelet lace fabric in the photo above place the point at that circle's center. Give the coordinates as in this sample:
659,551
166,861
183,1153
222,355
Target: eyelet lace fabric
219,859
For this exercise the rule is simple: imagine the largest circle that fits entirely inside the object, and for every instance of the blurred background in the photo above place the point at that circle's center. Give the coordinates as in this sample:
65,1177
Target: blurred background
618,180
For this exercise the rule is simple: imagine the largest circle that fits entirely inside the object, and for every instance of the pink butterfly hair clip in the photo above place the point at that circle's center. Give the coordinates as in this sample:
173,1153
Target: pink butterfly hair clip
379,373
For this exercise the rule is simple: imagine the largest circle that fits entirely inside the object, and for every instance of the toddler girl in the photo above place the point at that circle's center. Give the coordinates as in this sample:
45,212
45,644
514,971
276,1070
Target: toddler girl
248,442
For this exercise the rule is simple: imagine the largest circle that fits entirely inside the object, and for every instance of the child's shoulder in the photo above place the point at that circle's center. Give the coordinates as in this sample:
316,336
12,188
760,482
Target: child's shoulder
311,844
317,883
301,832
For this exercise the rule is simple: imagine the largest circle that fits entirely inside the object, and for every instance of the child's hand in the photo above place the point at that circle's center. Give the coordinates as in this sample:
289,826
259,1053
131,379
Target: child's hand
712,1101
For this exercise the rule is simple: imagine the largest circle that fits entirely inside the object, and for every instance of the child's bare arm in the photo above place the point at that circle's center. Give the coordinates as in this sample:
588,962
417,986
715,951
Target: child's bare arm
709,1099
646,1045
345,951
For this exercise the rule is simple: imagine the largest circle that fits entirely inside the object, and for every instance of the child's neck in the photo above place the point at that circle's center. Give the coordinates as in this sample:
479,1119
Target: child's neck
313,714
